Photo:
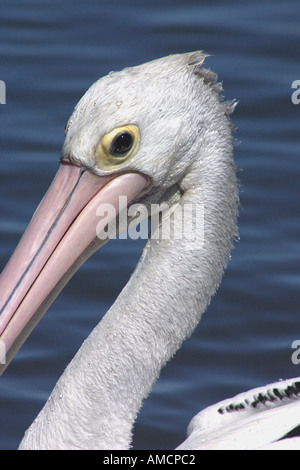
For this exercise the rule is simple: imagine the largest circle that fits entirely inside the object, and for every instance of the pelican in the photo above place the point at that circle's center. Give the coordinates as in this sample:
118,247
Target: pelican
158,134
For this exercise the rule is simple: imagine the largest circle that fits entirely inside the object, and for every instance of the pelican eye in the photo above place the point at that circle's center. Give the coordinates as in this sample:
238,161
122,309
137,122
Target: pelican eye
121,144
117,146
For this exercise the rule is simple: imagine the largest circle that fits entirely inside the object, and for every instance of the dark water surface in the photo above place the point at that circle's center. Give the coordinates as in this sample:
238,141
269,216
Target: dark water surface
50,53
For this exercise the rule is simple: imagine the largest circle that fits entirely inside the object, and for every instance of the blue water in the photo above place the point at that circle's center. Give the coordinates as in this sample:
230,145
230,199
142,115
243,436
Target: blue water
50,53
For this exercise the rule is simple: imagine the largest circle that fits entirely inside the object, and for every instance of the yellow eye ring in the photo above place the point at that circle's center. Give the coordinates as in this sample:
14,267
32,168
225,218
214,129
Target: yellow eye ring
118,146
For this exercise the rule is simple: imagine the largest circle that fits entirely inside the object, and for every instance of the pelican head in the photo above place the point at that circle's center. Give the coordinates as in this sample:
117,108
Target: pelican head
158,112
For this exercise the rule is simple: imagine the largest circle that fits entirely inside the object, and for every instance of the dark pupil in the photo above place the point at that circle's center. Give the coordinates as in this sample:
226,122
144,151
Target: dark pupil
121,144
